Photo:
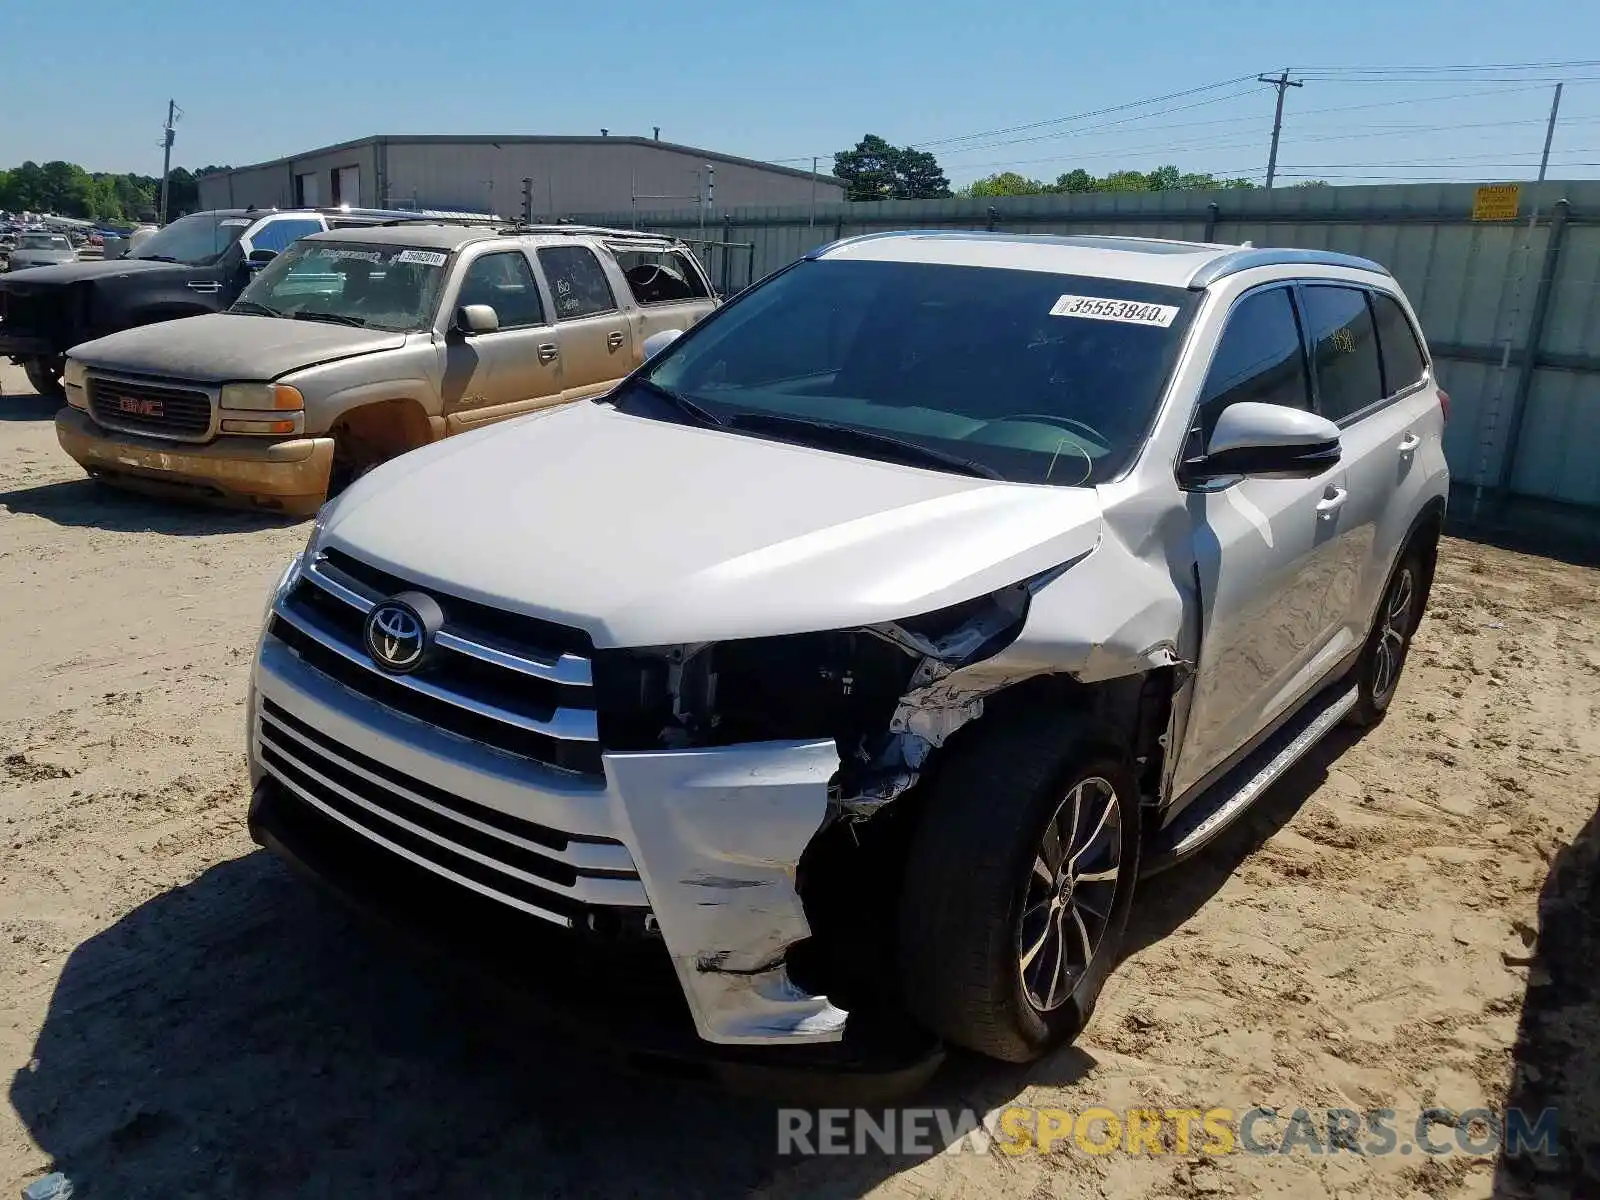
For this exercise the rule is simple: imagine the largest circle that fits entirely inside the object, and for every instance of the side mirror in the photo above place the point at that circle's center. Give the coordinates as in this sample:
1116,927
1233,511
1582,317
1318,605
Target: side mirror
477,318
260,258
657,342
1266,440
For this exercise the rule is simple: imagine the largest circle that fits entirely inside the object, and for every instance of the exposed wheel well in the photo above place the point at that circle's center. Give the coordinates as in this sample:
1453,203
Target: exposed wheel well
1424,538
375,433
850,876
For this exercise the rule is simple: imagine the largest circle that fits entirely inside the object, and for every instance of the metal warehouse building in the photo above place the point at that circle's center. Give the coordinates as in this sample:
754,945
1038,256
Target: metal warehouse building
485,174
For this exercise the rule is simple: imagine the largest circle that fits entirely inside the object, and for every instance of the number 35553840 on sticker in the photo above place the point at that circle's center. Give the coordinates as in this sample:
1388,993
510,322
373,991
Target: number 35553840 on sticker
1128,312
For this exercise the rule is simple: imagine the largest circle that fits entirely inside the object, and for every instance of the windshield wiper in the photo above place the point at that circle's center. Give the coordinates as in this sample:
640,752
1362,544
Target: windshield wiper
913,452
154,257
331,318
678,400
240,306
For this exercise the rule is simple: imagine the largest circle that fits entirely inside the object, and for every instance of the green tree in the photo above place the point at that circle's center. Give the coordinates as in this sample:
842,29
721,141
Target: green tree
875,170
27,187
1162,179
183,193
1007,183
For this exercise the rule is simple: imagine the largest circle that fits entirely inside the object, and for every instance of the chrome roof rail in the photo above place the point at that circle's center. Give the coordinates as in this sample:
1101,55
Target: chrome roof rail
1248,259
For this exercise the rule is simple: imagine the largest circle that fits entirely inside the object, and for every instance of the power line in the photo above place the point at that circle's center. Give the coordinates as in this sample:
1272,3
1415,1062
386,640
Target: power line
1072,133
1083,116
1460,67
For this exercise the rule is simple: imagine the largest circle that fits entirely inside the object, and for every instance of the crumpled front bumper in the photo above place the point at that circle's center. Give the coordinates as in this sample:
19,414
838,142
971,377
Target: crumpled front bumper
701,846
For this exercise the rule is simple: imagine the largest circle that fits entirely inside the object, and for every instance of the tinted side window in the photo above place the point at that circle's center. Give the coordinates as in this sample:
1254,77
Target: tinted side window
504,281
1397,342
277,235
577,282
1345,350
1259,358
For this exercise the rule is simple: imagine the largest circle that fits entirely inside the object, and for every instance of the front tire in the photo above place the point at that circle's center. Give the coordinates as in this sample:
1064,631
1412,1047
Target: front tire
1384,658
45,375
1018,886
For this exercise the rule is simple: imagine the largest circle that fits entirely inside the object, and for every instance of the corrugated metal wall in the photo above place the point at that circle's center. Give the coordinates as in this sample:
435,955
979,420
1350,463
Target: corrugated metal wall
271,185
1475,284
576,174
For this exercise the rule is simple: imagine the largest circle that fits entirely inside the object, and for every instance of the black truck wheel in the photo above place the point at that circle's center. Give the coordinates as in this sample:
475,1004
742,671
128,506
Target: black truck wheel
1018,886
45,375
1378,673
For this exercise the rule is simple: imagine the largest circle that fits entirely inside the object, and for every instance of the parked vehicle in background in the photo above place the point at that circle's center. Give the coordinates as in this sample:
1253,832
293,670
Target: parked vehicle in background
849,662
357,345
196,264
40,250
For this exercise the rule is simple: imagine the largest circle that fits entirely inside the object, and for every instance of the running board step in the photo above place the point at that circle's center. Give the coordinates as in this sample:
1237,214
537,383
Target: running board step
1209,814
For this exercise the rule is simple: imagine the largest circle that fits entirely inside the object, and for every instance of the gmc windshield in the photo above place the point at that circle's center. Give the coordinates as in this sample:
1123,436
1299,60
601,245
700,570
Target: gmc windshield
1043,378
349,283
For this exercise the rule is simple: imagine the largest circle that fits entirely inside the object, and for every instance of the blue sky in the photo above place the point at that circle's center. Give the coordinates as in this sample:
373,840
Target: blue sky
779,81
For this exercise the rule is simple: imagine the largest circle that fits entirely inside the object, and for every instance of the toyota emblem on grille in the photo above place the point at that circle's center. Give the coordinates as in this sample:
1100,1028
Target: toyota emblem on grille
400,630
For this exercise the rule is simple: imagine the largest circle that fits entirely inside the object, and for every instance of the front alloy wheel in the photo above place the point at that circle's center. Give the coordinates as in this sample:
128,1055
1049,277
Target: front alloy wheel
1066,909
1018,883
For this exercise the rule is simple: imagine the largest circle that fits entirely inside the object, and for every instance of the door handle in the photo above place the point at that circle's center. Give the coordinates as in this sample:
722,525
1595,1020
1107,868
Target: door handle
208,286
547,352
614,339
1409,443
1332,501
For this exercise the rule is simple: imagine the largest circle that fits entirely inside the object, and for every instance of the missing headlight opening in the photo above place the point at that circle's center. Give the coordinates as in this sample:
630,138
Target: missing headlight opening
887,695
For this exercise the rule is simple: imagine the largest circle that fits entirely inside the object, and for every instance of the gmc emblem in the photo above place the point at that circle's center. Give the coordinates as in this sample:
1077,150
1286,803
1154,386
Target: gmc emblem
138,407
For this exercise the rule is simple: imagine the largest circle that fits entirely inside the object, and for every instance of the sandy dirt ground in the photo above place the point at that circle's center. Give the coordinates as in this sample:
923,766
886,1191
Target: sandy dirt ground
1409,919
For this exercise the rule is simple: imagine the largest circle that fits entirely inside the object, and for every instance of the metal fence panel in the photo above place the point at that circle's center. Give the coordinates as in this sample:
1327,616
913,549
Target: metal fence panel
1475,285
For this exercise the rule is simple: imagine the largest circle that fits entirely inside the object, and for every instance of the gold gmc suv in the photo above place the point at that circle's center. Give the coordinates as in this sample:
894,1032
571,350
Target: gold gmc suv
356,345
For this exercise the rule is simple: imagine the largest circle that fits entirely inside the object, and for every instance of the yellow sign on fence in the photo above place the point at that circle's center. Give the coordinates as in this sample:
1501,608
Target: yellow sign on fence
1495,202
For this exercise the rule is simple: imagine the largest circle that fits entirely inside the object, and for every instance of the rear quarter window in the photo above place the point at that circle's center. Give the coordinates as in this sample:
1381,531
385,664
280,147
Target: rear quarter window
1403,363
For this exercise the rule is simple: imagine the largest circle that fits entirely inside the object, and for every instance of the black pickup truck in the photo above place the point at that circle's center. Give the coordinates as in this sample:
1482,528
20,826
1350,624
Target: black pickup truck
197,264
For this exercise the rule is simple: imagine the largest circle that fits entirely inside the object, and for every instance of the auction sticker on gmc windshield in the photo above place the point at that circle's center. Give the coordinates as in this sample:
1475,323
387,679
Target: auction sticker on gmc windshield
1129,312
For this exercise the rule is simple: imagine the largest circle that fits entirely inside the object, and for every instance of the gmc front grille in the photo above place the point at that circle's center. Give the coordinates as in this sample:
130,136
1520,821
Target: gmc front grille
153,408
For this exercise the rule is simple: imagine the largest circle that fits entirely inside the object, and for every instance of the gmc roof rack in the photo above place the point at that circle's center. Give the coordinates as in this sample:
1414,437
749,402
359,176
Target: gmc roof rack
501,225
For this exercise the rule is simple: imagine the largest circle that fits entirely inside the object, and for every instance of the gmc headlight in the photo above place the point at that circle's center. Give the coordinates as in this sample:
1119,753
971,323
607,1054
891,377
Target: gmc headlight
271,397
75,374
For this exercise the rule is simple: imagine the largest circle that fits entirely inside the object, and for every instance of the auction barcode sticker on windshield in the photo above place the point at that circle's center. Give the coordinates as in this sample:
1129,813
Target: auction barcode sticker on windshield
1129,312
427,258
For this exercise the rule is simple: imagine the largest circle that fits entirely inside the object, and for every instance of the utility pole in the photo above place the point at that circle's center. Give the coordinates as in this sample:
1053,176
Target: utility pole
1550,131
813,221
166,157
1281,82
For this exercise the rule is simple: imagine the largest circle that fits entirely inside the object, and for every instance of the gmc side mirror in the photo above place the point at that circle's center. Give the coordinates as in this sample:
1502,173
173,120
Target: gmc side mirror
260,258
1266,440
477,318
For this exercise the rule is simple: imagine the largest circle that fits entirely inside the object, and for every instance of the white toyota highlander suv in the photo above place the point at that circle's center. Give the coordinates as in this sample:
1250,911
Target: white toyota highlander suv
822,693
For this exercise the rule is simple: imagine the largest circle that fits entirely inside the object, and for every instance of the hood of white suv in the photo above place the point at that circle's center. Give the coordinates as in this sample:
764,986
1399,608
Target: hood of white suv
646,532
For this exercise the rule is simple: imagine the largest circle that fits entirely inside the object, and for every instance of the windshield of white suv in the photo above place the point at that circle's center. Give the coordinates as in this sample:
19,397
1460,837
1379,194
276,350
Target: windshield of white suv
198,239
43,241
349,283
1020,375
